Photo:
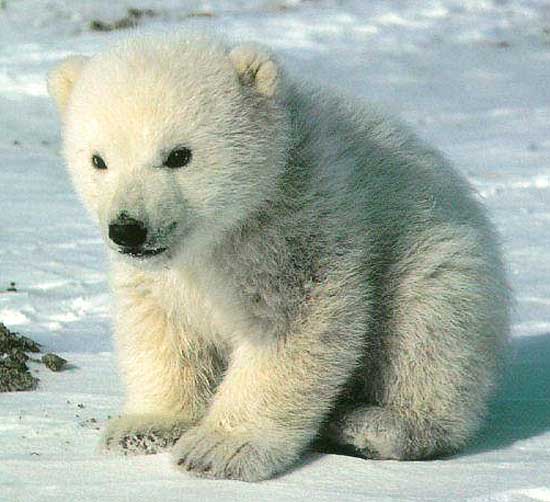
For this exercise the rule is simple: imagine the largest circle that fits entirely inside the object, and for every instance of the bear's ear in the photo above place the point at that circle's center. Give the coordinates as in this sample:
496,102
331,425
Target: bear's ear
256,68
63,77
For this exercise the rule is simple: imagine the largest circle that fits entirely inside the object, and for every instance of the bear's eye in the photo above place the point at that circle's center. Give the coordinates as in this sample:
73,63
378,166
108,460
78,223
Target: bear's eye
178,158
98,162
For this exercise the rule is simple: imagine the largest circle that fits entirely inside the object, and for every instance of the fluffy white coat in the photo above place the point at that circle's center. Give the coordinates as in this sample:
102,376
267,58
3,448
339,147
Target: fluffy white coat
325,276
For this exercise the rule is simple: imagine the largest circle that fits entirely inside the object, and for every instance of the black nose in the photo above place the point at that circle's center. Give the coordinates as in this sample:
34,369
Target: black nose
128,232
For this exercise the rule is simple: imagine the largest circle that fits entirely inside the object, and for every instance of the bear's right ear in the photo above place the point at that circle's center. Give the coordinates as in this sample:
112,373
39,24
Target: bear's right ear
62,78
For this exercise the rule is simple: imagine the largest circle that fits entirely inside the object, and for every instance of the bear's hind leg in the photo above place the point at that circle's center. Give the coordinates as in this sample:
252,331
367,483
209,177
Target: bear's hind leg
438,350
377,432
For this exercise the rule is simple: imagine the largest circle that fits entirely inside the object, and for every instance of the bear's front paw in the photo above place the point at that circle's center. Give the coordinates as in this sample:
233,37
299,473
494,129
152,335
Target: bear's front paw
218,454
142,434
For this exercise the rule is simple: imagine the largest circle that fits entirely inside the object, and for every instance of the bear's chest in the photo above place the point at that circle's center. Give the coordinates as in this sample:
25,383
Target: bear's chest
198,309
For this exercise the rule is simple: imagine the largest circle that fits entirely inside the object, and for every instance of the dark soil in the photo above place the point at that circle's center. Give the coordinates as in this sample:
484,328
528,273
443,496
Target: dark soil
14,372
130,20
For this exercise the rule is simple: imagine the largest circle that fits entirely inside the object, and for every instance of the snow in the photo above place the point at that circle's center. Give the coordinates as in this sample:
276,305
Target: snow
470,76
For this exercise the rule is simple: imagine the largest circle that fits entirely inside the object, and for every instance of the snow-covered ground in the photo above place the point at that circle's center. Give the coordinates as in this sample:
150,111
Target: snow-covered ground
472,76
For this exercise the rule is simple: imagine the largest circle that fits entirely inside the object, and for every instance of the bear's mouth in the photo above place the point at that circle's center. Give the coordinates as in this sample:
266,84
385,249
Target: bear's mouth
141,253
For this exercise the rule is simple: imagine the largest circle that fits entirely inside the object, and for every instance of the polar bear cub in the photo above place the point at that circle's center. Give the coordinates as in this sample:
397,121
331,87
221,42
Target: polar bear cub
288,266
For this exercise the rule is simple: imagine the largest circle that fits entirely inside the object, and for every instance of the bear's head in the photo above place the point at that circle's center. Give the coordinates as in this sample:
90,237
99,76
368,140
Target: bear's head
171,141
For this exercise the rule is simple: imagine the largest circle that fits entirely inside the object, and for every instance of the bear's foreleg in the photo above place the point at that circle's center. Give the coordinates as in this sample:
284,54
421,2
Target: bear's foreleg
276,393
169,378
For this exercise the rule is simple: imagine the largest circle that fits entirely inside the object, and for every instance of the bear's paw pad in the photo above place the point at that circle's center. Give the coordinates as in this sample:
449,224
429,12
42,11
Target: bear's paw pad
130,435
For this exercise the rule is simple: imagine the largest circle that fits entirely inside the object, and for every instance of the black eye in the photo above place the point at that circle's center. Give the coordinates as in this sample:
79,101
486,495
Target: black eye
98,162
178,158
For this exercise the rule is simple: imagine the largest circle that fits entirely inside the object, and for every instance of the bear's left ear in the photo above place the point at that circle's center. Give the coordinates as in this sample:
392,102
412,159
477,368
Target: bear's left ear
61,79
256,68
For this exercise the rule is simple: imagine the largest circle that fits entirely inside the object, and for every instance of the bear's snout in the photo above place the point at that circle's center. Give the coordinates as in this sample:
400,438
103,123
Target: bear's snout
132,237
128,232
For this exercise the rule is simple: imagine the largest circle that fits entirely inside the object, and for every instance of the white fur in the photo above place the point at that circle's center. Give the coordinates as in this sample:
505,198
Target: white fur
327,275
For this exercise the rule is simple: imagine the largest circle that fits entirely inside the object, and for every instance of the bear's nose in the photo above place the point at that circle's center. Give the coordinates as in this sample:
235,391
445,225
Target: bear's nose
128,233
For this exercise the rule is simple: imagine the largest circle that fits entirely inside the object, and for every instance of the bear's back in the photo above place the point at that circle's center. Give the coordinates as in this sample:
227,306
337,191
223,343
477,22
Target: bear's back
375,172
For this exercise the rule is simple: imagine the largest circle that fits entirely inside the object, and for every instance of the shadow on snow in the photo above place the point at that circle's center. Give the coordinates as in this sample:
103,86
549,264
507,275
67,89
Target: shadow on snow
521,409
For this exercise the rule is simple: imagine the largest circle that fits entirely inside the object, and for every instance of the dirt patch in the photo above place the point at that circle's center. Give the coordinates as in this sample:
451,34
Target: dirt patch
14,371
130,20
135,17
